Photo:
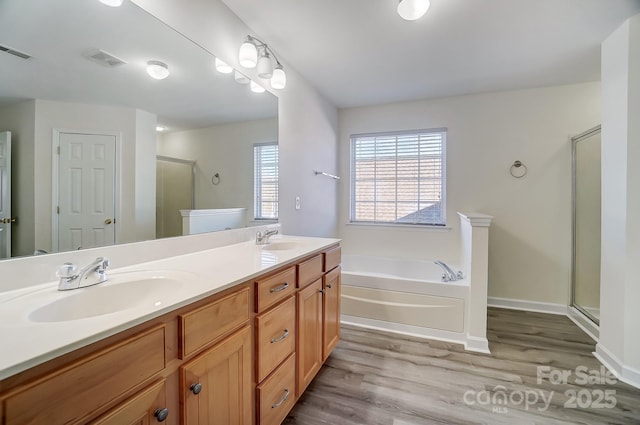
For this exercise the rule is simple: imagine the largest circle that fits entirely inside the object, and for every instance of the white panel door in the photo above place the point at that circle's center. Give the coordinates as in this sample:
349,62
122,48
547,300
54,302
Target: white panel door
86,191
5,194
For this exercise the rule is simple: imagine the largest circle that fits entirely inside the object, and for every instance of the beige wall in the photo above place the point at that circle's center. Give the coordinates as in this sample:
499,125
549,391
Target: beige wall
226,149
530,236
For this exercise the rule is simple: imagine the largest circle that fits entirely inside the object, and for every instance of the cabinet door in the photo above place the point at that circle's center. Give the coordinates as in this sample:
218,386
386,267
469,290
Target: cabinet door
309,333
216,387
331,310
146,407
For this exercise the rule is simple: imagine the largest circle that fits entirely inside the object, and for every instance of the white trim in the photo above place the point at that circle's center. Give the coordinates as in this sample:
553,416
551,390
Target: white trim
583,323
469,343
624,373
536,306
476,219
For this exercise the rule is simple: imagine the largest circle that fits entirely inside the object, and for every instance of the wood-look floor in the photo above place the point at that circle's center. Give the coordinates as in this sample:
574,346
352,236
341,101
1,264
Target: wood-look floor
377,378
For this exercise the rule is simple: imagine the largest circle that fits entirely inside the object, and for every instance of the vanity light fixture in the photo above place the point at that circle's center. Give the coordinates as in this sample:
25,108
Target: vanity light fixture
112,3
240,77
254,52
158,70
413,9
257,88
223,67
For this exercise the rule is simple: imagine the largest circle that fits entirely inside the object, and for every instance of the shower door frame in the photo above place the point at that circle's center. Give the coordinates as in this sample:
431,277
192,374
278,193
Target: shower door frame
574,141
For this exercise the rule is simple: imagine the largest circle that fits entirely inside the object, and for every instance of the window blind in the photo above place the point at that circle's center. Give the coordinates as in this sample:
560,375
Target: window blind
398,178
265,171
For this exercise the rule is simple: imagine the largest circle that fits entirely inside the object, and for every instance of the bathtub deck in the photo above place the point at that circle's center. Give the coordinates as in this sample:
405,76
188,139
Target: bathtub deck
375,378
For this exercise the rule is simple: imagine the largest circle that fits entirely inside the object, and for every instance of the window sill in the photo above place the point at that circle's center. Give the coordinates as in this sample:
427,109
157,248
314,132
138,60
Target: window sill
388,226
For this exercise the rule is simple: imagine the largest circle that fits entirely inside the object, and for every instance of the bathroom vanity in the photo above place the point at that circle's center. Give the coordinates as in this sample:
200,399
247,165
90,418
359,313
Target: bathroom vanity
238,344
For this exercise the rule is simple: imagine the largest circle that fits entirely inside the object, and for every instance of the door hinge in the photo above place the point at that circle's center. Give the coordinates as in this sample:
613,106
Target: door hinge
58,150
58,209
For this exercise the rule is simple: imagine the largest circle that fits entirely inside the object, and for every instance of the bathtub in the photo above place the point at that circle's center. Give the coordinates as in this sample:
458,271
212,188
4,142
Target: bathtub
403,296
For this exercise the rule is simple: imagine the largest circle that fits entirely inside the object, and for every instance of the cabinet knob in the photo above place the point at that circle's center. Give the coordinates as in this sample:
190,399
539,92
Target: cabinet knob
329,286
161,414
321,291
196,388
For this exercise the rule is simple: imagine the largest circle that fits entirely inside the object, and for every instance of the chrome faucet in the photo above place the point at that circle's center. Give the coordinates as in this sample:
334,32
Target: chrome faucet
92,274
263,238
449,275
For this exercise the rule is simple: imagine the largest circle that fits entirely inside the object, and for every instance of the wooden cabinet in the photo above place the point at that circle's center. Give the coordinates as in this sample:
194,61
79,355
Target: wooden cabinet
216,386
276,395
331,312
276,337
309,351
148,406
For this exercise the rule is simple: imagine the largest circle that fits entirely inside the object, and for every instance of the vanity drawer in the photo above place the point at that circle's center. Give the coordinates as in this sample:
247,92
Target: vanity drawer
332,258
309,270
276,395
274,288
209,323
276,330
140,408
79,389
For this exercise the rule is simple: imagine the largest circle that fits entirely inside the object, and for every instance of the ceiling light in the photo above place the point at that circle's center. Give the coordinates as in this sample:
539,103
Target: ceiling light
248,55
223,67
158,70
413,9
112,3
240,78
160,128
257,88
279,78
265,68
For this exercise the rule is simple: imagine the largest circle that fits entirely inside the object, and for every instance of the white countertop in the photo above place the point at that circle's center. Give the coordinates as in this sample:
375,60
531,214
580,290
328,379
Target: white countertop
26,343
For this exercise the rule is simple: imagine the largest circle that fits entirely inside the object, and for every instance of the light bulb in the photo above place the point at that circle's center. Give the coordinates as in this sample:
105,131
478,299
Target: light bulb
279,78
223,67
240,78
248,55
257,88
158,70
265,68
413,9
112,3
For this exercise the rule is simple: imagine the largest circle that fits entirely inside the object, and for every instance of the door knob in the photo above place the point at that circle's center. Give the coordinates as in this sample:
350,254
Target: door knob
107,221
8,220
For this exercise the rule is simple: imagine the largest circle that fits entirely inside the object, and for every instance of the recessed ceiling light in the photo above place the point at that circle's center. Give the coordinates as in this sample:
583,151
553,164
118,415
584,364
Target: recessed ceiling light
112,3
161,128
158,70
413,9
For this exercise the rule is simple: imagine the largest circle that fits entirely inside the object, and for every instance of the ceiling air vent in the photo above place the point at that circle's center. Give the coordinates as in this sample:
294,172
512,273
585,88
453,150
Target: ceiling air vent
103,58
14,52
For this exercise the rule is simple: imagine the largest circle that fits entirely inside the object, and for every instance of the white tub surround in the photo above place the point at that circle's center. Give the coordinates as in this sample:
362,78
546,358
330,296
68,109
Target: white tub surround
409,296
474,230
34,339
212,220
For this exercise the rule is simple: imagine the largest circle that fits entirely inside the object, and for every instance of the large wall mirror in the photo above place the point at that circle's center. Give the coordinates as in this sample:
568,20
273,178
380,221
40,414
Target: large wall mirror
79,128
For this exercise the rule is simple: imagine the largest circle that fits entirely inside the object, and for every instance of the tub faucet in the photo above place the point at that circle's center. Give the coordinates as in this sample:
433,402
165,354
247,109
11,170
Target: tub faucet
263,238
92,274
449,275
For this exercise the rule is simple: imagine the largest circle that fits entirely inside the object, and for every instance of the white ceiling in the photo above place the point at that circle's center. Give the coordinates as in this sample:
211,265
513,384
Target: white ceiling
360,52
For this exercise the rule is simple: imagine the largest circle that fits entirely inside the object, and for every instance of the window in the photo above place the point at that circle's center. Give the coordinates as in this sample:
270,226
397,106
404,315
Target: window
265,172
398,178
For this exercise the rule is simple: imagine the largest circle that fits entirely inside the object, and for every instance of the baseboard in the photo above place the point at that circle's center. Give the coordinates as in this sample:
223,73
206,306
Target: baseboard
470,344
536,306
584,323
624,373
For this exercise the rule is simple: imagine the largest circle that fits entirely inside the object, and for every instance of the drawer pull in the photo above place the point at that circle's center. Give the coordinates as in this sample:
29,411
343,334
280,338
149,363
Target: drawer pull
161,414
196,388
279,288
282,400
281,337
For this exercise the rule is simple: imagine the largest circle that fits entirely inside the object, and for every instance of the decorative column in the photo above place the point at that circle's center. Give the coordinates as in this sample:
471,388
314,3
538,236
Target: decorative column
475,262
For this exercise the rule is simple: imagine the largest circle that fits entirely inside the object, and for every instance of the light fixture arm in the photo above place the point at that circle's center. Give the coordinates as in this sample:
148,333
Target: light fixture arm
261,44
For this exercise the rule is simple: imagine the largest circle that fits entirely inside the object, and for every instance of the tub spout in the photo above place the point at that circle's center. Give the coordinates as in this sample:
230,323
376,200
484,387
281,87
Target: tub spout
449,275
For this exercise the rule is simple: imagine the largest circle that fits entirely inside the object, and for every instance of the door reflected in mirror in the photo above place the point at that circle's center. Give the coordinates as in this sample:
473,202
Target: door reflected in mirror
79,67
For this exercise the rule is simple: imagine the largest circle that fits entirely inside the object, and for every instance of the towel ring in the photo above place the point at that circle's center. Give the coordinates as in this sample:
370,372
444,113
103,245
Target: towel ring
215,180
517,165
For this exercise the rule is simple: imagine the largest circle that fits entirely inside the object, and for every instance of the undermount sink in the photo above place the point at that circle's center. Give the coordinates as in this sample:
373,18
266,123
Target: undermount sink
281,246
121,292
